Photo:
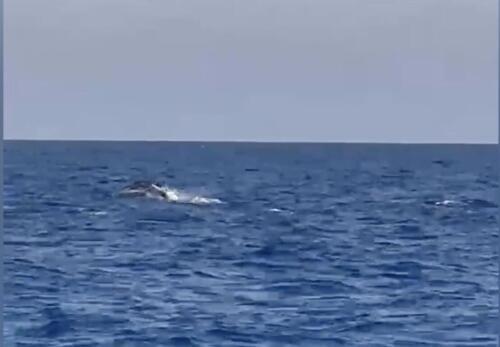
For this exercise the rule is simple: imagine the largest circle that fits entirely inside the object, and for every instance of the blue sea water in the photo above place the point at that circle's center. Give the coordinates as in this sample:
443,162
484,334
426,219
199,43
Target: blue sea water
312,245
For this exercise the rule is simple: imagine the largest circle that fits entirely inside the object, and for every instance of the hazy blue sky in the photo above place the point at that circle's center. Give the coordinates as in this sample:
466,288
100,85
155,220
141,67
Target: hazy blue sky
265,70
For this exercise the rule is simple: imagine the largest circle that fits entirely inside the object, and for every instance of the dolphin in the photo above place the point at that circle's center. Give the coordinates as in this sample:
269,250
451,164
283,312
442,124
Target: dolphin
154,190
144,189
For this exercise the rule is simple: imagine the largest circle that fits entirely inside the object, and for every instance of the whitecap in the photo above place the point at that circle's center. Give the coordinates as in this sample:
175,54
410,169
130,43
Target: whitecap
278,210
446,203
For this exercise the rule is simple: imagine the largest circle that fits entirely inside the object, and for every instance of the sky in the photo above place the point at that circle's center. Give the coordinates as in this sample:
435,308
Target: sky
261,70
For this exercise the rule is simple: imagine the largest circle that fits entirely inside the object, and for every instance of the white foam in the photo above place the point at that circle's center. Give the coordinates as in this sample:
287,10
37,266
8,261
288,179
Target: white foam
446,203
174,195
278,210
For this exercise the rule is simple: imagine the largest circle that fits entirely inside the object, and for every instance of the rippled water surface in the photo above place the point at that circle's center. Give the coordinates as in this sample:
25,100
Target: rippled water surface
312,245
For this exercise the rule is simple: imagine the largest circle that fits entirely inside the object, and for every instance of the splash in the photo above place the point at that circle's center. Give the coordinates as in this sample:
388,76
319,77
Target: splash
182,197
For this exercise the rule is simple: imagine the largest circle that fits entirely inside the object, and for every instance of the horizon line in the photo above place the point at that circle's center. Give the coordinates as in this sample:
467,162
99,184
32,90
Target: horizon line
251,141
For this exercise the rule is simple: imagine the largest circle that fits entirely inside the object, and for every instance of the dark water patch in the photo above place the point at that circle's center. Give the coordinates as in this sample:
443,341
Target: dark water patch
232,335
481,203
371,220
443,163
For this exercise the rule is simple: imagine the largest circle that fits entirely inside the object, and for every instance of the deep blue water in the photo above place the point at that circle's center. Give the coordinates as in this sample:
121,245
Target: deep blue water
313,245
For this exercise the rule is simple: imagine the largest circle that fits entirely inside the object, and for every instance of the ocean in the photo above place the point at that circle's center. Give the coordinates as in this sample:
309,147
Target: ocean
269,245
